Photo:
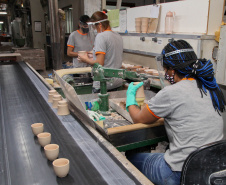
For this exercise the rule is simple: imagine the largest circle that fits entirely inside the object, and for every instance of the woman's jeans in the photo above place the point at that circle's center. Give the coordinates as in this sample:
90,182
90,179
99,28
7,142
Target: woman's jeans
155,168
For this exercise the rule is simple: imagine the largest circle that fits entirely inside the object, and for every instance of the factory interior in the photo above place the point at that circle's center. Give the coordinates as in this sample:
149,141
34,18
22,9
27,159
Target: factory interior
57,127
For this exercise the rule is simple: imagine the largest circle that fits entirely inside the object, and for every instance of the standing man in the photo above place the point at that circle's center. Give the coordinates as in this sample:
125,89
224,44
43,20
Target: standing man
79,40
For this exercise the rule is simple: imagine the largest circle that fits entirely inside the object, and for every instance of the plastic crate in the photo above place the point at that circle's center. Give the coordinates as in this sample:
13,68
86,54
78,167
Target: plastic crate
83,89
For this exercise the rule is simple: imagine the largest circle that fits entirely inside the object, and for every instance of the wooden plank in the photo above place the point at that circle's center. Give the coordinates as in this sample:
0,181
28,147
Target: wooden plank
10,55
129,128
153,24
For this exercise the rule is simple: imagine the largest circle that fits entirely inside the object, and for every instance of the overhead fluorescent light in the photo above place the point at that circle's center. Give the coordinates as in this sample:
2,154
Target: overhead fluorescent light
3,13
1,22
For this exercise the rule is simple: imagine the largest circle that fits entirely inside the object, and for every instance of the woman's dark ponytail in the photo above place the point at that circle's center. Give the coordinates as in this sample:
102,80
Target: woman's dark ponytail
185,62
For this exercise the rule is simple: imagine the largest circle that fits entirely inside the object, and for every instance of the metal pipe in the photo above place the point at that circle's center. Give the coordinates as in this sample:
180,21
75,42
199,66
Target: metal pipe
55,34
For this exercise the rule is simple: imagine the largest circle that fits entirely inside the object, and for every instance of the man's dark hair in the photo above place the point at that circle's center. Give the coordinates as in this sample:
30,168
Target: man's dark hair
84,18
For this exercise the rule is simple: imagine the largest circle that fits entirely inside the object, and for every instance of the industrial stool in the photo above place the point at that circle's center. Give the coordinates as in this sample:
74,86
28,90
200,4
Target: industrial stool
206,165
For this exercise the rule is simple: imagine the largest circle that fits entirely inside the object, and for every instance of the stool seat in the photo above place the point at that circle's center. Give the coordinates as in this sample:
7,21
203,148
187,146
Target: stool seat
206,165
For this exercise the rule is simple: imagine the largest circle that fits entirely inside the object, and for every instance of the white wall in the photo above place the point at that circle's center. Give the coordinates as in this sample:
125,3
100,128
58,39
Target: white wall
141,2
191,16
91,6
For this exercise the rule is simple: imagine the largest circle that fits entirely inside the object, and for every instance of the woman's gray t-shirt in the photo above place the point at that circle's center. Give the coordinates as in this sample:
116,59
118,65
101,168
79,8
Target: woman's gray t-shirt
190,120
110,44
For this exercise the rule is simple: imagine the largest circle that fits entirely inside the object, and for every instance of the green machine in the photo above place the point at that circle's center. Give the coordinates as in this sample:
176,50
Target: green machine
104,75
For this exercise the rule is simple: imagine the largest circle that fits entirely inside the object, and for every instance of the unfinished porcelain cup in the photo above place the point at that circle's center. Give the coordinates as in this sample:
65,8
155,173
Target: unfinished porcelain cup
62,102
51,151
56,99
44,138
37,128
82,53
138,21
144,28
61,167
140,96
138,29
63,110
144,20
50,96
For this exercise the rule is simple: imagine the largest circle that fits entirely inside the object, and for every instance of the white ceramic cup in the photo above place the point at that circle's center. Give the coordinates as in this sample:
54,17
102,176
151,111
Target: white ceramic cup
63,110
56,99
62,102
61,167
37,128
51,151
44,138
140,96
51,94
82,53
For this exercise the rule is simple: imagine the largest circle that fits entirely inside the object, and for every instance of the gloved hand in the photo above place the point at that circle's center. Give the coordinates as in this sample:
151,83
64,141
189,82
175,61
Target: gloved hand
93,115
131,94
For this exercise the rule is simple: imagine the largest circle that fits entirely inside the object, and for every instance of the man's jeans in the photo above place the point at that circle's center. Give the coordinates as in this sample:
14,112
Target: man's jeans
155,168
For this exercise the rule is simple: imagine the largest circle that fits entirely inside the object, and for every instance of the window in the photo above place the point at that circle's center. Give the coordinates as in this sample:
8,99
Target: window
69,19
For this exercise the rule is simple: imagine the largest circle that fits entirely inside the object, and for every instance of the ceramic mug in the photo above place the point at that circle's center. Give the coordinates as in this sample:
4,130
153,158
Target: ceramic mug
82,53
63,110
61,167
56,99
140,96
37,128
51,151
44,138
50,95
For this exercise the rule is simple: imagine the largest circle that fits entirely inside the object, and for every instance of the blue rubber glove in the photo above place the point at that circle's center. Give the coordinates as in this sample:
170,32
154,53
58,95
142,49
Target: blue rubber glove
131,94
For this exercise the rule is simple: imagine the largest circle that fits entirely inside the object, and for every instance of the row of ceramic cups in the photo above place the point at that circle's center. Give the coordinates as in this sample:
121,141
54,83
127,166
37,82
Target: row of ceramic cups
57,102
61,165
141,24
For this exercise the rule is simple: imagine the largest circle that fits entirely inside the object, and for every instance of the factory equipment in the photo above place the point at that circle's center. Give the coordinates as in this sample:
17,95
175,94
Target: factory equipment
17,32
103,75
117,127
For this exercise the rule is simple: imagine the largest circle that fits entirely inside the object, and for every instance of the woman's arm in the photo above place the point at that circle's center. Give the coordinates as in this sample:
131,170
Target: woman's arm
99,59
141,116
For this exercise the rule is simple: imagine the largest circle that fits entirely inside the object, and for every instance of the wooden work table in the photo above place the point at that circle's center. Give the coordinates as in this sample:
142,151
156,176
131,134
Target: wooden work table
10,56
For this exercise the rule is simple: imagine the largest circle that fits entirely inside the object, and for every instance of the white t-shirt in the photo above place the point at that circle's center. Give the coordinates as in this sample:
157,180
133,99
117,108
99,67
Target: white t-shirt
190,120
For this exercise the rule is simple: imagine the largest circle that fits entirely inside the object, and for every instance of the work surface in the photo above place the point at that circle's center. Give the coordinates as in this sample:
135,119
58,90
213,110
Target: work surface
22,160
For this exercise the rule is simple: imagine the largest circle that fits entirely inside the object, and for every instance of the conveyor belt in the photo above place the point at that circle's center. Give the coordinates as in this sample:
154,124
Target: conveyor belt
22,160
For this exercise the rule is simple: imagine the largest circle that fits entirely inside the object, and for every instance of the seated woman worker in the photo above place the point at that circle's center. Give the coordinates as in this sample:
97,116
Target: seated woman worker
191,110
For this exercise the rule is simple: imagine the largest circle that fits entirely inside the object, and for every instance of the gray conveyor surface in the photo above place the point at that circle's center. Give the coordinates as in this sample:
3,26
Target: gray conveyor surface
22,160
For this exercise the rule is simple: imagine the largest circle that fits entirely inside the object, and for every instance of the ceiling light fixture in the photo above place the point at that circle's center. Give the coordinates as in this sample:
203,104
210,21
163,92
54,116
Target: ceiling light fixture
3,13
1,22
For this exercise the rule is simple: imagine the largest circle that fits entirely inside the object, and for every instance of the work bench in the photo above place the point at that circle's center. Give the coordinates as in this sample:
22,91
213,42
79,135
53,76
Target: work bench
9,56
23,101
122,134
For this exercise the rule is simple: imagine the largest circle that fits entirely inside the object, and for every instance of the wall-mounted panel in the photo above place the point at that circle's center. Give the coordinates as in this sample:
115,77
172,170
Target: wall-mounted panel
191,16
